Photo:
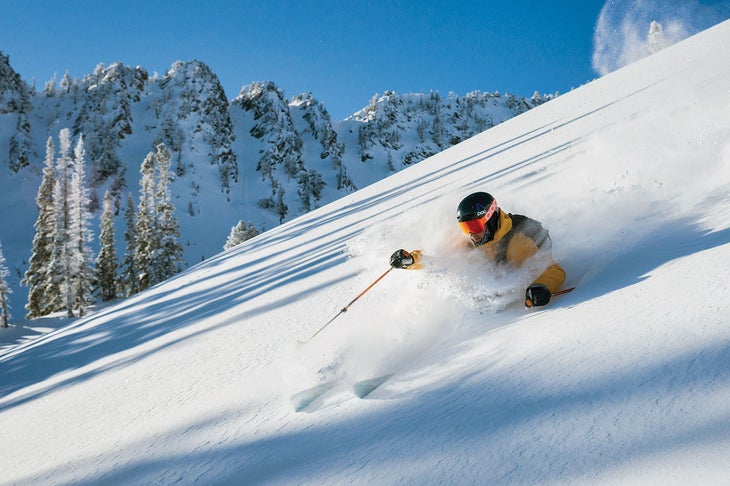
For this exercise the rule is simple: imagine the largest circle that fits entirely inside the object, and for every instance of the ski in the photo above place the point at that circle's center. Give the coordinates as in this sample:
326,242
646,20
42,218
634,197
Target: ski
364,388
304,398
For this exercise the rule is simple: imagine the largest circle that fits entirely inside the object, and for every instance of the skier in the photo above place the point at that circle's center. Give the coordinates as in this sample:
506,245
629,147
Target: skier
507,238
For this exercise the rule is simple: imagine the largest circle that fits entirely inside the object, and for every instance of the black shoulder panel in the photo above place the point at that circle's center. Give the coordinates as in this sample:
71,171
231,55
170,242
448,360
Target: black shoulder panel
528,227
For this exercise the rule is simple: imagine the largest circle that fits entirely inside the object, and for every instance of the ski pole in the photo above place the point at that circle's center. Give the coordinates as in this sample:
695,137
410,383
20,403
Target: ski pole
344,309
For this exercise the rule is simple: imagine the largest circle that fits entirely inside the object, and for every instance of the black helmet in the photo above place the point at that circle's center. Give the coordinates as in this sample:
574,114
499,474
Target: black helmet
479,205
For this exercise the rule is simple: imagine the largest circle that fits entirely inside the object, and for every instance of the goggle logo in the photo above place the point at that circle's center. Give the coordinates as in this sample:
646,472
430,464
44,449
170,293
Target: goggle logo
481,209
486,212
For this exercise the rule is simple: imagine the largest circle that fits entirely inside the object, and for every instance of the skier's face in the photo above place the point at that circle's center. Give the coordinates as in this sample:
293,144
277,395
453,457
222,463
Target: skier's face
477,238
475,229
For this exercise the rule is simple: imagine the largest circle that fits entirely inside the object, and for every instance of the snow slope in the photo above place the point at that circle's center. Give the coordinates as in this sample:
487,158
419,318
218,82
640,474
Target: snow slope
623,381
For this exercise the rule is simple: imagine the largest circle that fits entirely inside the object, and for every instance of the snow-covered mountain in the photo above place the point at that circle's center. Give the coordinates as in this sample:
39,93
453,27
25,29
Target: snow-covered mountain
623,381
261,157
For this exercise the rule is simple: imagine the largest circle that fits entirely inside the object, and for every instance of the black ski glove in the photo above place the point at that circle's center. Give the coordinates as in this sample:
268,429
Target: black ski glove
401,259
537,295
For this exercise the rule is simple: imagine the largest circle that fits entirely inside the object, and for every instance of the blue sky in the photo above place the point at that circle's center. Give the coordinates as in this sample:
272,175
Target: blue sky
342,52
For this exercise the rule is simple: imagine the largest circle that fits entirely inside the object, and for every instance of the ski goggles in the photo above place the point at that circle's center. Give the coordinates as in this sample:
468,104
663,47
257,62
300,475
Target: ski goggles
473,225
479,224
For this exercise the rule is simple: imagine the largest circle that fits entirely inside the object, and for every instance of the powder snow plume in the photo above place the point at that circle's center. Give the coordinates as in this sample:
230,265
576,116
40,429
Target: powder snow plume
626,30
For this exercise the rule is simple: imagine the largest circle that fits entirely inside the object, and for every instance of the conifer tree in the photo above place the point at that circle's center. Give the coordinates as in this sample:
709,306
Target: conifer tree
170,254
36,277
66,82
281,207
129,279
158,253
240,233
83,274
144,229
70,276
106,262
58,285
310,188
4,291
50,89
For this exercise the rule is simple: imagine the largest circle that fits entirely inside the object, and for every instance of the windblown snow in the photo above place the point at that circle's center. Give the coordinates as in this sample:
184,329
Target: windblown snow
623,381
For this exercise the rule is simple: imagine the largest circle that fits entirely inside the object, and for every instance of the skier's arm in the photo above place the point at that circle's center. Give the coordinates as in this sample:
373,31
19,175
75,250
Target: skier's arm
520,248
410,260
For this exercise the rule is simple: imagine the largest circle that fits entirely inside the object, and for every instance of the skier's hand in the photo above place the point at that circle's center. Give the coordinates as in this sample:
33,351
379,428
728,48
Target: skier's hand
537,295
401,259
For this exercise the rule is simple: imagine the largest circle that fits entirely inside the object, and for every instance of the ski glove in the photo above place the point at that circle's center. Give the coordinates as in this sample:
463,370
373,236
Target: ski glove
537,295
401,259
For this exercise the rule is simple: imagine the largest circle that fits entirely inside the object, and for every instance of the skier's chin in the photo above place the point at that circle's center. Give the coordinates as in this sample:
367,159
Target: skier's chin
476,239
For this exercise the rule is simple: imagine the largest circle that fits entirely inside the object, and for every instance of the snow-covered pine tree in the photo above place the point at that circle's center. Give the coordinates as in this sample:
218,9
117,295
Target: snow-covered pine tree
169,258
66,82
310,188
129,278
145,228
281,208
49,91
173,137
367,132
83,274
220,136
36,277
4,291
59,288
70,275
158,255
106,262
240,233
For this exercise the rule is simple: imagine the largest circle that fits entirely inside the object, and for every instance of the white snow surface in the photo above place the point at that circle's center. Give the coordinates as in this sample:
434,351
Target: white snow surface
626,380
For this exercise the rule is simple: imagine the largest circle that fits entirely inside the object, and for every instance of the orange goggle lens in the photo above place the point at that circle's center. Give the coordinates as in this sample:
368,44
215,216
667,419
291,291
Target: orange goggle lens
473,225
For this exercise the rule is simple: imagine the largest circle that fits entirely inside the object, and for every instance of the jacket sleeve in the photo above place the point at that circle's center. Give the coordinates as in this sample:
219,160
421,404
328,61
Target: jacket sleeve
520,248
552,278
